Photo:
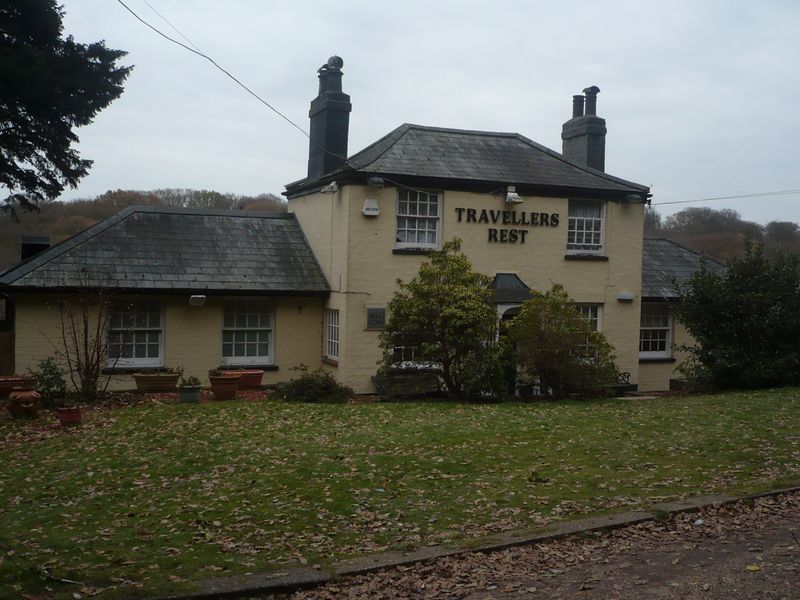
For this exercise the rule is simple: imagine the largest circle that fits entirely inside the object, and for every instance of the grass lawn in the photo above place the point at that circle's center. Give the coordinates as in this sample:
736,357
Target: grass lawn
145,499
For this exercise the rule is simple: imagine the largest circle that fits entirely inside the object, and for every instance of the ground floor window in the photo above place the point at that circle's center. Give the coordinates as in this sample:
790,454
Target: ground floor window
655,332
247,333
591,314
135,334
332,334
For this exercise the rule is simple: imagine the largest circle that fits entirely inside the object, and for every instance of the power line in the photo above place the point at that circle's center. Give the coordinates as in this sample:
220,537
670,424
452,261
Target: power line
213,62
175,29
755,195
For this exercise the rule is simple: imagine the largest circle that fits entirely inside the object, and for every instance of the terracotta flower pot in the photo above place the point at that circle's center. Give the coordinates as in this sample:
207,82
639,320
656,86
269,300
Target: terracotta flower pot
224,387
9,382
24,402
249,378
70,415
155,382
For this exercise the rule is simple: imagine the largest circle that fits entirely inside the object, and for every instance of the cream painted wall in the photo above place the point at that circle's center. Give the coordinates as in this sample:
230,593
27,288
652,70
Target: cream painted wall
372,268
655,376
192,335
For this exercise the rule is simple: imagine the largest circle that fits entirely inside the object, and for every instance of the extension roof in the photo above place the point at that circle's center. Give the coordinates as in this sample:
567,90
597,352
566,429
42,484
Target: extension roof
156,249
464,157
665,263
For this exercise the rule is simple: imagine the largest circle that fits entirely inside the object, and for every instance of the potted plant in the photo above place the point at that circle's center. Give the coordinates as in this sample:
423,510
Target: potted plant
157,381
189,389
224,384
24,401
249,378
9,382
68,411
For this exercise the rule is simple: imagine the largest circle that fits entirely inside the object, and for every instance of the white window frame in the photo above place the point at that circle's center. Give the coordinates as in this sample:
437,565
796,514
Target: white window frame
585,312
332,333
661,328
577,227
126,308
248,308
406,198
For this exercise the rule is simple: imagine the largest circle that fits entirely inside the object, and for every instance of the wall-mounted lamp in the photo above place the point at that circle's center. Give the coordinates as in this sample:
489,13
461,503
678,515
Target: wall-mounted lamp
512,197
197,300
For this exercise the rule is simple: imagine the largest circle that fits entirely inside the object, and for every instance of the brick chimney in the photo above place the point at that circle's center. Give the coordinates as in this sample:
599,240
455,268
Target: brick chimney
584,135
330,121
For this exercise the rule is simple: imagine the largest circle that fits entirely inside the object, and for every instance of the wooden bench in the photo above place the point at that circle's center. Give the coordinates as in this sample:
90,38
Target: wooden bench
408,384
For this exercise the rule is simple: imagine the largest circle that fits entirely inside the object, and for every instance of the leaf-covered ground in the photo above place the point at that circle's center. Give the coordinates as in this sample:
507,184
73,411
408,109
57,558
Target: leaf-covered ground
145,499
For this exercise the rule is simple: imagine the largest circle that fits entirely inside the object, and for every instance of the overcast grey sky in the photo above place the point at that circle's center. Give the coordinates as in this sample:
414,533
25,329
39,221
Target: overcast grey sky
700,97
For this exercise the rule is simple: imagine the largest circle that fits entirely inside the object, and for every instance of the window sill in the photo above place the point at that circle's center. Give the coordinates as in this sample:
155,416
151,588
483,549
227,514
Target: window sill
589,257
247,367
330,361
655,359
418,251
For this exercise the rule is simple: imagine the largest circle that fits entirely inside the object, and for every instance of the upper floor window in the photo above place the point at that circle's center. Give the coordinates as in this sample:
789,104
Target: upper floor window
655,333
247,333
585,227
418,218
135,334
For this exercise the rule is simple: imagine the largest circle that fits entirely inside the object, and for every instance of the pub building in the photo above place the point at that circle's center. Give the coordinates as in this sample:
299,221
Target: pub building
207,288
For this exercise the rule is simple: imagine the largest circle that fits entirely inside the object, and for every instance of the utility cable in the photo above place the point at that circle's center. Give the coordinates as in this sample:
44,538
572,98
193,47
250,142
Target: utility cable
175,29
755,195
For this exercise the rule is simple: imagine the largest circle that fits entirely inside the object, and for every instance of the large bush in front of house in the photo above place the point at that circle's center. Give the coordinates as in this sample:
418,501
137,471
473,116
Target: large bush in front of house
559,353
745,321
313,386
444,319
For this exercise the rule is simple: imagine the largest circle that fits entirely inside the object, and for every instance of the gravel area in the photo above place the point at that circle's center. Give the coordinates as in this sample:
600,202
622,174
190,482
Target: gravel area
744,550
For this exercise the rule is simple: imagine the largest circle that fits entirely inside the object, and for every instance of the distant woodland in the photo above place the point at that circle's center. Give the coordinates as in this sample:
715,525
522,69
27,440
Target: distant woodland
61,220
720,233
717,233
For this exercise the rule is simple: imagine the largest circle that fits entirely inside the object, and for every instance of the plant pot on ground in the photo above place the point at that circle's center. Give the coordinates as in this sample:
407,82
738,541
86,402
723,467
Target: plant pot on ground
249,378
189,389
156,382
24,401
223,385
69,415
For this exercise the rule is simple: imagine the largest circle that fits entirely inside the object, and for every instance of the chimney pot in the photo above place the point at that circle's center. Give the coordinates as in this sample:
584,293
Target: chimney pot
577,105
591,99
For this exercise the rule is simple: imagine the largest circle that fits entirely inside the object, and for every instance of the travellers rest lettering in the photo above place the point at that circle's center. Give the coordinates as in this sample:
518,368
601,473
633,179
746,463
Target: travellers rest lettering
507,235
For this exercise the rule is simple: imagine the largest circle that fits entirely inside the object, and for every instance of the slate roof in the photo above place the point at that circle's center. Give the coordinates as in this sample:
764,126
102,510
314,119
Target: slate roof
664,262
476,156
148,248
509,289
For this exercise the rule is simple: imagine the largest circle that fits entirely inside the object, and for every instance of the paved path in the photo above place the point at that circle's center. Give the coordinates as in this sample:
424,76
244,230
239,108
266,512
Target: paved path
747,550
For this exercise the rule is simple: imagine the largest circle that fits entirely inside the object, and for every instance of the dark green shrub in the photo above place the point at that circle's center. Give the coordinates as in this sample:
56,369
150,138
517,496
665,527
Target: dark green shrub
50,382
313,386
745,321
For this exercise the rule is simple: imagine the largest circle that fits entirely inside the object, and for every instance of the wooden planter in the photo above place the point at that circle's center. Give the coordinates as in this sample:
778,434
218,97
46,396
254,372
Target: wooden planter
156,382
224,387
248,378
69,416
9,382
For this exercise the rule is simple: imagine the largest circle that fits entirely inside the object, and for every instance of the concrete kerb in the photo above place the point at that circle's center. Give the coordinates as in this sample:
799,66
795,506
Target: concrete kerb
291,580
